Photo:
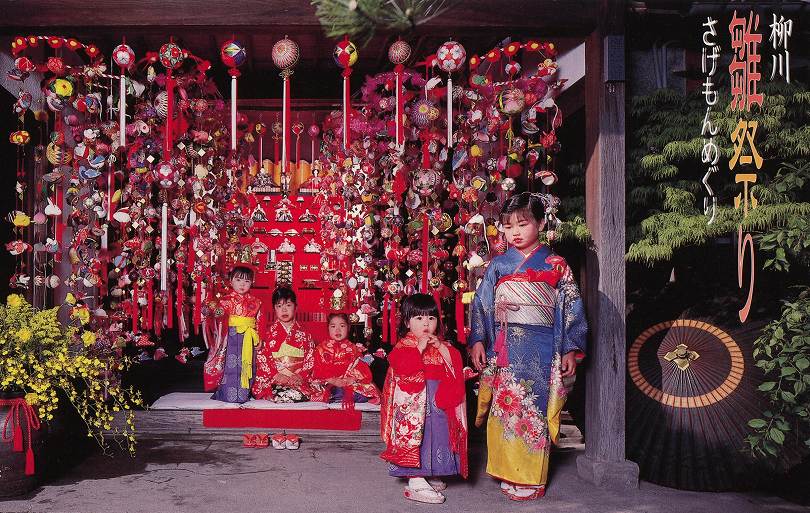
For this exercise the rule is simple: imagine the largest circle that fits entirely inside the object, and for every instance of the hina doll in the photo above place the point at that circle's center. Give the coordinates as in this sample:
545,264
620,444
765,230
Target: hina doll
340,366
285,359
423,417
230,368
527,335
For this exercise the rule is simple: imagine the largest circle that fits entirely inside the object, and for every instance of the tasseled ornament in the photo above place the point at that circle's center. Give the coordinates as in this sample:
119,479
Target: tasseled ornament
197,304
136,307
425,248
169,300
400,183
392,324
150,301
348,398
386,299
460,320
500,348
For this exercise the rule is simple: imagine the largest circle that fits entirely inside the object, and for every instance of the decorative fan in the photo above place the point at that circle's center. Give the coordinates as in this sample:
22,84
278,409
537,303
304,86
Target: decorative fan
691,391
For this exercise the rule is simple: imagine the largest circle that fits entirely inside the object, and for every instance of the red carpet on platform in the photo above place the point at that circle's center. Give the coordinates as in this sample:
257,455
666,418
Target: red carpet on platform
340,420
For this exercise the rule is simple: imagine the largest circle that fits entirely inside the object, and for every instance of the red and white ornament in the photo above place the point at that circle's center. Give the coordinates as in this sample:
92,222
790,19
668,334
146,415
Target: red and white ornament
123,56
399,52
451,56
171,56
285,53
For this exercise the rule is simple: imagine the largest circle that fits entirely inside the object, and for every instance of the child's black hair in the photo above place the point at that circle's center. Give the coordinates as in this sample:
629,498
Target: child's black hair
415,305
284,293
524,204
341,315
241,271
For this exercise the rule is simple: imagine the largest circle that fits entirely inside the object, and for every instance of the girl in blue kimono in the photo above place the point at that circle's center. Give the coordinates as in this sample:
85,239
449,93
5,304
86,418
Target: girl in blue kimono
528,334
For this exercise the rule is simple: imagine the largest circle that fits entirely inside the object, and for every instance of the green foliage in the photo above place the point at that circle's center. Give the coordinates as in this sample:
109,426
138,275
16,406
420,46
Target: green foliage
361,18
783,353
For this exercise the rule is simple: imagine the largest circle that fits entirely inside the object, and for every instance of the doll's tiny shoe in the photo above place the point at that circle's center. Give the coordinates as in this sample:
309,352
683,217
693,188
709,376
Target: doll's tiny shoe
278,440
292,442
262,440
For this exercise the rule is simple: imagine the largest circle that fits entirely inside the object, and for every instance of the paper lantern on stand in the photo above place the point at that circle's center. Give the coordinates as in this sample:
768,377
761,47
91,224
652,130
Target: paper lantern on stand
233,55
398,54
285,55
345,55
450,57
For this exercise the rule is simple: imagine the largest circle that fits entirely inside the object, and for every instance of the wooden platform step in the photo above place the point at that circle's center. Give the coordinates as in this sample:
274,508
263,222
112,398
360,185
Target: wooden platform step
187,425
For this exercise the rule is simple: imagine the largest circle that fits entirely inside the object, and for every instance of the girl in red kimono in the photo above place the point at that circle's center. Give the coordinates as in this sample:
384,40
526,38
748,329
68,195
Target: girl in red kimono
423,419
229,368
285,359
339,365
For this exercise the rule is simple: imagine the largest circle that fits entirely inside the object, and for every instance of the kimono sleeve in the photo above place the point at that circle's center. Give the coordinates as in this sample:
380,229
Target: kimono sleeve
572,326
482,310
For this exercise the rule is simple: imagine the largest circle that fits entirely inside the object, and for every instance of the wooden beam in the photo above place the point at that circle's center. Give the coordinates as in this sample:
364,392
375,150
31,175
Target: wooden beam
604,462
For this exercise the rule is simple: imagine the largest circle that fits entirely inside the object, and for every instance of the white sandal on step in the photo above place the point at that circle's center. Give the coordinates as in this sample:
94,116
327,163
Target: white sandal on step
423,492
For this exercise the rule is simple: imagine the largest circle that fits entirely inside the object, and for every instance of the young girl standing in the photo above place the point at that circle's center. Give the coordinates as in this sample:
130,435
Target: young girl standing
340,367
229,367
423,416
528,332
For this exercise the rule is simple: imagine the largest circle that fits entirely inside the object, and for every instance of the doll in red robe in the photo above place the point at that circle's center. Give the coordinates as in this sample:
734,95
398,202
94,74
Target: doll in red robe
340,367
285,358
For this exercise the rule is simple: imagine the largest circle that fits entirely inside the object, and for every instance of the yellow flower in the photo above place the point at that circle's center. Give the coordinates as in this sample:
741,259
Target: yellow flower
89,338
14,300
24,334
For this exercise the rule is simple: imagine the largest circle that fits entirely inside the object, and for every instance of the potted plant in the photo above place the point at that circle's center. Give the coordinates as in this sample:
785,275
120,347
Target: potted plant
49,370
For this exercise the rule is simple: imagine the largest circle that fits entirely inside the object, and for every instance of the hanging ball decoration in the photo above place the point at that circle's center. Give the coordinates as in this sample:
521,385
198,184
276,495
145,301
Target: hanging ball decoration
161,104
260,128
451,56
233,53
298,128
424,112
56,155
314,131
511,101
512,68
123,56
399,52
171,56
528,121
285,53
277,128
345,54
165,175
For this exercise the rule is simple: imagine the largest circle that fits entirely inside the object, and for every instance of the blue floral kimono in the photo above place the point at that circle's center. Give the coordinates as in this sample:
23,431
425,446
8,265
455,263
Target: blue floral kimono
527,312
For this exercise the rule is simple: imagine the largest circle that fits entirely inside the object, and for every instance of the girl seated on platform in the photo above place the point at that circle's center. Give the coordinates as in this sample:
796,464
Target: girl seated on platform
340,367
285,359
423,419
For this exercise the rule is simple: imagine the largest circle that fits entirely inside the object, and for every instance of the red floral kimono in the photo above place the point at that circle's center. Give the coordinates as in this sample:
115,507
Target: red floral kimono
405,402
291,350
236,335
343,359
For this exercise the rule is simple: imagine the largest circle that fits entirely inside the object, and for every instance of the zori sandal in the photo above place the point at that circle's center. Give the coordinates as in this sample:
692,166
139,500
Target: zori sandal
437,484
292,442
419,490
278,440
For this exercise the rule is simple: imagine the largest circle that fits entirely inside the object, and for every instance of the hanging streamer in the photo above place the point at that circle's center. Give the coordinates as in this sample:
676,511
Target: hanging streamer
164,245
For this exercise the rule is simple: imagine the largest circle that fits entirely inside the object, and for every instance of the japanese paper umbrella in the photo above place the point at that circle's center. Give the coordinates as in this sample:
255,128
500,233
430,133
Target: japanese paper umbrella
692,389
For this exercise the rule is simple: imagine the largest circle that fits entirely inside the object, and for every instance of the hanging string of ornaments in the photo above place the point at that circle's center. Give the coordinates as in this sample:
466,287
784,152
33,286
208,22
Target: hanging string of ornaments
148,188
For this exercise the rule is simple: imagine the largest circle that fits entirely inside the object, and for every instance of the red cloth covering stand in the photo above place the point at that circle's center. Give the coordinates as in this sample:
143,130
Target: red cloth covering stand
19,408
335,420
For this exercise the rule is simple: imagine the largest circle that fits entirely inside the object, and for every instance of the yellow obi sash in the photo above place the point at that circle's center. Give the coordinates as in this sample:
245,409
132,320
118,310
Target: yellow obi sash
288,350
247,327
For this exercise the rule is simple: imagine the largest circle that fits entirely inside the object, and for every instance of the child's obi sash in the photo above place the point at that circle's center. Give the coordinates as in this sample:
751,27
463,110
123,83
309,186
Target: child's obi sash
245,326
524,298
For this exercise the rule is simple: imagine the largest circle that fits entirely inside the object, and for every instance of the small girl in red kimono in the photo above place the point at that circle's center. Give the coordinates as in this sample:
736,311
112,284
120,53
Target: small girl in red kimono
423,418
285,359
229,368
339,365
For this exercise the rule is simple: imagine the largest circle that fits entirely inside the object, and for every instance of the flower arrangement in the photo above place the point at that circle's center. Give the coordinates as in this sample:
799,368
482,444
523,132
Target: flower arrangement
41,357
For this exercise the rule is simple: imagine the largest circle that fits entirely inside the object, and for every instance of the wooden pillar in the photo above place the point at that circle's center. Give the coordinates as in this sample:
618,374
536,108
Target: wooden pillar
604,462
